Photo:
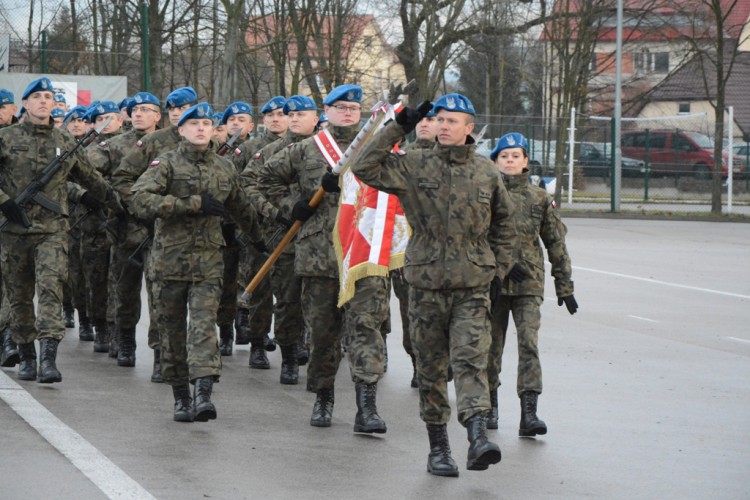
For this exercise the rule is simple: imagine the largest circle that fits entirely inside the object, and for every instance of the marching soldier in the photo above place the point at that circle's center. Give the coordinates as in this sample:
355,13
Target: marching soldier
60,102
187,190
9,354
34,244
127,126
461,238
131,167
220,130
301,168
286,286
254,317
522,290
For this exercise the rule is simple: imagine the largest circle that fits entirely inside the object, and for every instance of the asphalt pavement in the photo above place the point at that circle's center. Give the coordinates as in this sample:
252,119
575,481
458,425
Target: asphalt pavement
646,395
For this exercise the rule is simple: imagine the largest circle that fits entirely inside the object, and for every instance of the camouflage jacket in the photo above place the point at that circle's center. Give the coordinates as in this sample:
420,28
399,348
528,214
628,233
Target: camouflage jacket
25,150
301,166
138,158
245,151
457,207
187,245
419,144
536,216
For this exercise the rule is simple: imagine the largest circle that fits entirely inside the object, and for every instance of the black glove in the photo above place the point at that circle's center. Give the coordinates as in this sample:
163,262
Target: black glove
495,291
302,211
210,205
261,247
283,221
408,117
330,183
517,273
229,234
12,212
90,202
570,303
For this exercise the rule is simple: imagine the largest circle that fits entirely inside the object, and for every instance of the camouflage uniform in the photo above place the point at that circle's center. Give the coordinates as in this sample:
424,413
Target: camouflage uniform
286,286
186,262
135,162
302,166
461,238
366,313
36,259
535,216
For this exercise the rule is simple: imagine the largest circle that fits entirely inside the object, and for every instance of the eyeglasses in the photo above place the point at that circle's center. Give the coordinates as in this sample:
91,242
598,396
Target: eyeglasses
142,109
344,109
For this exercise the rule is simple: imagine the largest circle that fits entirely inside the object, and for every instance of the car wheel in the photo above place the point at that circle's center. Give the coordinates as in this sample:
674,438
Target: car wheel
702,172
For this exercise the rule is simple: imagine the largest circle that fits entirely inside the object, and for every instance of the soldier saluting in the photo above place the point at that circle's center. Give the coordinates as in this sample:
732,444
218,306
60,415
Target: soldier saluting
187,191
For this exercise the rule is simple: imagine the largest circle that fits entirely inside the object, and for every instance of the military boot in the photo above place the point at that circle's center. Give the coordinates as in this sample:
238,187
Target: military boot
241,324
226,339
114,339
68,317
414,379
27,366
10,355
258,358
492,416
204,408
439,461
367,419
303,353
268,343
289,365
126,354
48,372
323,409
183,403
531,425
156,373
101,340
482,451
85,328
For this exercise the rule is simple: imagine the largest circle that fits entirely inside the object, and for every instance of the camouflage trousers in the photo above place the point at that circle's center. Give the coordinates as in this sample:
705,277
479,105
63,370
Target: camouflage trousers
527,318
401,289
451,326
188,351
4,306
34,263
287,309
78,294
228,301
260,304
364,315
95,250
324,321
154,335
128,279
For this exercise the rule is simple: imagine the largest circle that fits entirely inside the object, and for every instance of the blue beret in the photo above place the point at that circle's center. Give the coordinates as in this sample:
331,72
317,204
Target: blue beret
322,118
454,102
217,118
59,97
124,103
512,140
6,97
75,113
20,112
236,108
200,110
299,103
349,93
38,85
180,97
87,115
102,108
142,98
431,113
57,113
274,104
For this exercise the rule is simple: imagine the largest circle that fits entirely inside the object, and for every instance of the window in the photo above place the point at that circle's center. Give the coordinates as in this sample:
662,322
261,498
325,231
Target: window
683,107
648,62
592,63
661,62
657,141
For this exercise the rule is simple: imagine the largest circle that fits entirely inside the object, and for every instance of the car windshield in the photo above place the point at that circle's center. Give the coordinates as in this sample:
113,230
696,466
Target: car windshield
702,141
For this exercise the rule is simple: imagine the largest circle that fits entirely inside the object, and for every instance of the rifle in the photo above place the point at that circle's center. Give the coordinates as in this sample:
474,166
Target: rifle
135,258
224,148
33,192
364,135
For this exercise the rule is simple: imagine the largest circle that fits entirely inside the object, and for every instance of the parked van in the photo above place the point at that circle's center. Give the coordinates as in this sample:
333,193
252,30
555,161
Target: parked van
675,152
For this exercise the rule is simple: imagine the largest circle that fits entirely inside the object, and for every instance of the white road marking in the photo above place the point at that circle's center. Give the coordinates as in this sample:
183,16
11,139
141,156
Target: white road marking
641,317
739,340
659,282
105,475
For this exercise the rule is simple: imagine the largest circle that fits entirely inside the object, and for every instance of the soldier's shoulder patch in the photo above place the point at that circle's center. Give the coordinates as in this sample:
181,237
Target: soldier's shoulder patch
554,205
139,143
154,163
400,152
237,151
257,155
102,144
